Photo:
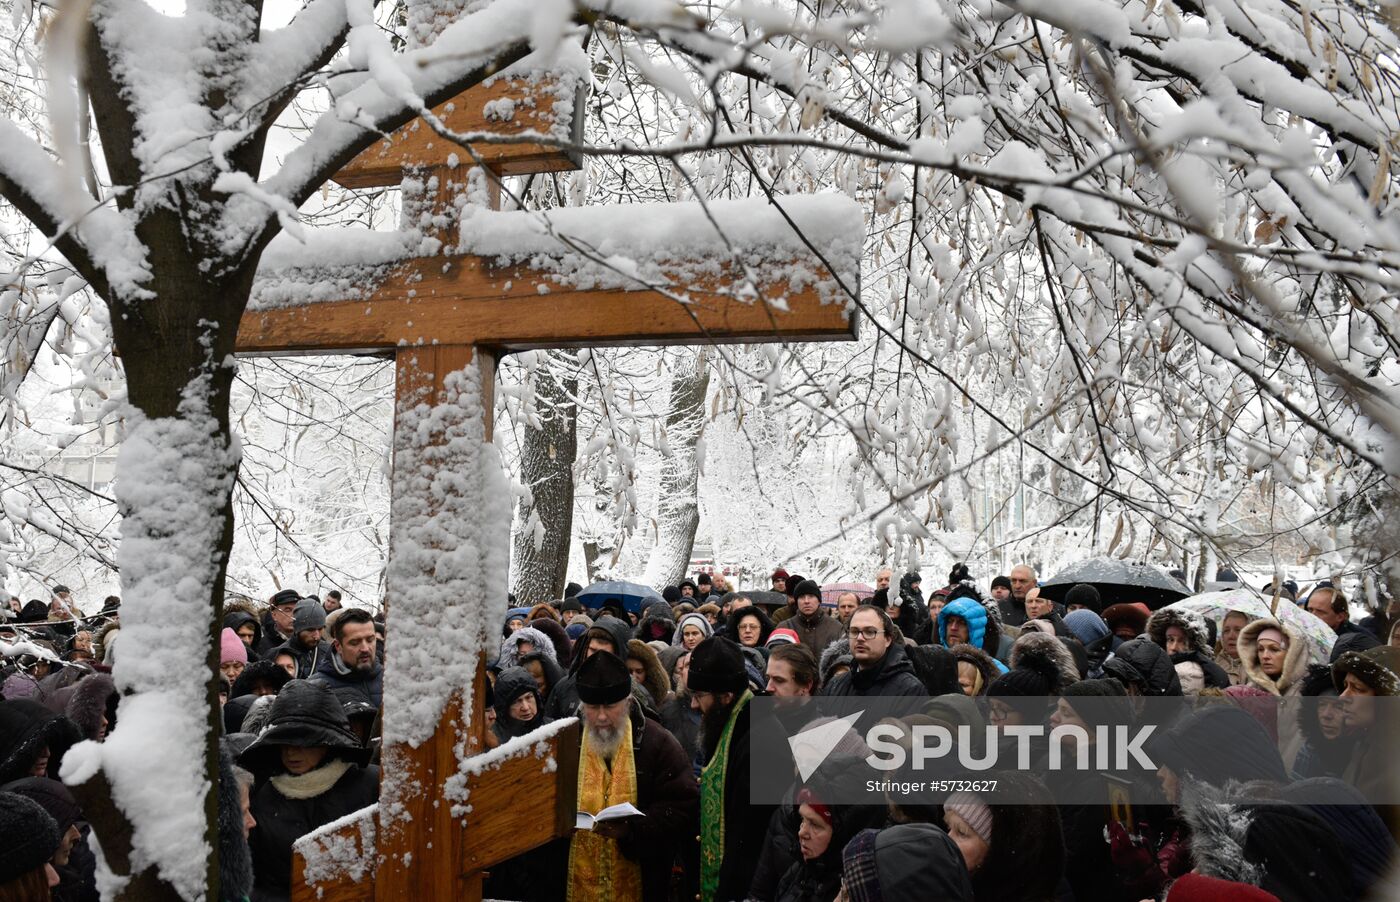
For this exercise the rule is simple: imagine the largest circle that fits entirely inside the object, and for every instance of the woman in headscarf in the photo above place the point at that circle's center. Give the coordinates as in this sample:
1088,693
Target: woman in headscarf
1274,656
692,629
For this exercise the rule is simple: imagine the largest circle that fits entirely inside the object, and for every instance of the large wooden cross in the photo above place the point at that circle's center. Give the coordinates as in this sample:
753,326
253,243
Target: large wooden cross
440,314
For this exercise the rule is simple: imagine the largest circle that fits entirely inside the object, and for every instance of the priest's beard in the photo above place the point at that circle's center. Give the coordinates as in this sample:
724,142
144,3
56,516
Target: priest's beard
712,725
607,740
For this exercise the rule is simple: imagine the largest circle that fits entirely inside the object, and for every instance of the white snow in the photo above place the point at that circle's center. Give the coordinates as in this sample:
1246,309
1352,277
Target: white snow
172,481
333,852
448,560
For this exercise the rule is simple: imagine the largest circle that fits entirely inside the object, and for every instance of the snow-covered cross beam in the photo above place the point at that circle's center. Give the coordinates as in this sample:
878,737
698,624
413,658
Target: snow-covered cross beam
626,274
447,305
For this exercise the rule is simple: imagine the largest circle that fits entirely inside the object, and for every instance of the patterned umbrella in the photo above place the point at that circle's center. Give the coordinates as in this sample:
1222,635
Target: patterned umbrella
1217,604
861,590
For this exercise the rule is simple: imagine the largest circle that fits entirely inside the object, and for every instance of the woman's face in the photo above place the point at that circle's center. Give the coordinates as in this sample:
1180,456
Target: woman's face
1331,716
638,670
1176,641
1003,715
973,847
524,708
749,630
300,759
691,636
814,835
1230,632
1271,655
682,670
232,669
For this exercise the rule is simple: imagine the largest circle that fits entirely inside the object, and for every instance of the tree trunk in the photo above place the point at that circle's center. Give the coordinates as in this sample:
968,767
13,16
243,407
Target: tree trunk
677,508
544,522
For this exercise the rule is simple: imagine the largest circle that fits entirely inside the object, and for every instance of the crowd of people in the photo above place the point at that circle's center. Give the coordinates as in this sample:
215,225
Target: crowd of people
1283,811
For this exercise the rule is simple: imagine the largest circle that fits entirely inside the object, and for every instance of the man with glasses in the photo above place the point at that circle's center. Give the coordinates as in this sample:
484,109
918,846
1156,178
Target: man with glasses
277,622
882,667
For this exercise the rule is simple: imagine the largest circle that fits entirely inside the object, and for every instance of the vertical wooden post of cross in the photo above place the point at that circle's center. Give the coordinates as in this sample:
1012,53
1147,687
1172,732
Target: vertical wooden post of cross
415,778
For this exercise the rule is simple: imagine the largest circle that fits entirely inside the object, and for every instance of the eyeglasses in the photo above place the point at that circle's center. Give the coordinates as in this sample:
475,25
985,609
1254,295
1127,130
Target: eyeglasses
869,632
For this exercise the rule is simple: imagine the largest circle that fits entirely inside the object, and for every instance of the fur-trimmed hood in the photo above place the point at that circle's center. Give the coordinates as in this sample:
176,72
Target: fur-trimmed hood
92,698
1281,848
835,655
989,667
1189,622
657,683
1046,655
1378,668
1295,659
510,646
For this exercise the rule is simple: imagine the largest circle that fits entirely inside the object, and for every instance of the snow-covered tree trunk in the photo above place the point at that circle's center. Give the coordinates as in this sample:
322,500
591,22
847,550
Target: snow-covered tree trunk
677,505
545,518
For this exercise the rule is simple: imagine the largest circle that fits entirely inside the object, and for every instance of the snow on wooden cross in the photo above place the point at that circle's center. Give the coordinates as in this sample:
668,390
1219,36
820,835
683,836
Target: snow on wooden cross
487,283
507,106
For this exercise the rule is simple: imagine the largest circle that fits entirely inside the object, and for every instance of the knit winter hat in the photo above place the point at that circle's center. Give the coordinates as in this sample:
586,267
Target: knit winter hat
571,604
308,615
1378,668
972,810
1087,626
1002,582
231,648
1086,596
807,587
1019,683
27,834
603,679
717,665
783,636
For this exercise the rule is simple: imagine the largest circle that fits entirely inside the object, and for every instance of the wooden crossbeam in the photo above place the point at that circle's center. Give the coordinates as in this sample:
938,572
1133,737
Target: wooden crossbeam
550,105
468,300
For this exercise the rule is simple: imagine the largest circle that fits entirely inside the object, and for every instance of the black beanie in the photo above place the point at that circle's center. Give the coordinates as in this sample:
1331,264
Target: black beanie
717,665
571,604
1086,596
1002,581
807,587
603,679
1019,682
1110,705
671,594
27,834
572,589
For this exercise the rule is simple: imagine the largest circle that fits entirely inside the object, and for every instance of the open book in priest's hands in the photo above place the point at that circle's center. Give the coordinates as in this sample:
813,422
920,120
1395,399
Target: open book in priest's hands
585,821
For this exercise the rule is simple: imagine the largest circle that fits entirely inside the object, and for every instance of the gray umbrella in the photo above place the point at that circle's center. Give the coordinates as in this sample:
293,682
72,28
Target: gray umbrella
1117,581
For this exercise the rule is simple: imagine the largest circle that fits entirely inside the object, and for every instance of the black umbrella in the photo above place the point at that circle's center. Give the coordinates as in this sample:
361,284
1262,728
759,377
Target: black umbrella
1117,581
760,598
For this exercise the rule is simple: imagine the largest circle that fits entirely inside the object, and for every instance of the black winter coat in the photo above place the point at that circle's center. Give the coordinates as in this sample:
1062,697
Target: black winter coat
345,681
281,821
270,639
309,660
744,824
893,676
669,796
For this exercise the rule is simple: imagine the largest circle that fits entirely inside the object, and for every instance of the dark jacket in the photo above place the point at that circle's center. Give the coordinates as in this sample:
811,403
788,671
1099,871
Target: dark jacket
309,659
282,820
346,681
816,632
669,796
563,700
682,722
892,675
819,880
259,672
269,639
744,824
1013,612
1146,664
765,624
